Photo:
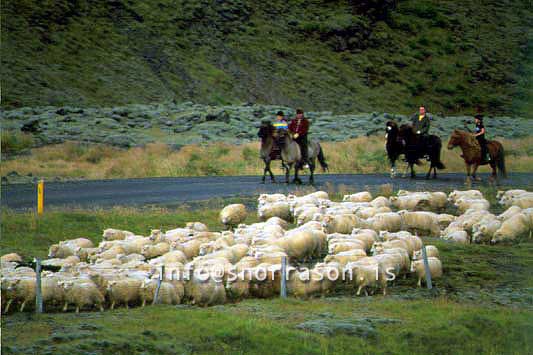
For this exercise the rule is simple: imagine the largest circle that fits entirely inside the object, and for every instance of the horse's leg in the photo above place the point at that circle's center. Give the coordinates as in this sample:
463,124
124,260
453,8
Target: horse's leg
434,172
406,170
267,163
494,176
312,170
296,177
287,171
474,170
272,178
468,181
413,175
429,171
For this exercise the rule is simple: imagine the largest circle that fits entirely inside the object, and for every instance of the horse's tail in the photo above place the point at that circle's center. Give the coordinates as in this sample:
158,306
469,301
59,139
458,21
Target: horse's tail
501,162
438,164
322,158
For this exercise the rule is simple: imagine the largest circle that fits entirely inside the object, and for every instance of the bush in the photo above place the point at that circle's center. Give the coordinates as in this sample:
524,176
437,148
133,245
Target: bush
14,141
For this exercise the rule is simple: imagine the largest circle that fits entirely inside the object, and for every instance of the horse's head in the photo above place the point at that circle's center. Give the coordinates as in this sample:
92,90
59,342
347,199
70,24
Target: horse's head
391,127
455,139
265,130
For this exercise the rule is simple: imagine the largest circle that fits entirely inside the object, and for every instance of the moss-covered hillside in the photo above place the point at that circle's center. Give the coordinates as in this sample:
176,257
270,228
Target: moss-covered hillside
456,56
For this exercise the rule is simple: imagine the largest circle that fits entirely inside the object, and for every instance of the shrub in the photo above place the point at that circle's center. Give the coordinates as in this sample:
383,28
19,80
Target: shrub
15,141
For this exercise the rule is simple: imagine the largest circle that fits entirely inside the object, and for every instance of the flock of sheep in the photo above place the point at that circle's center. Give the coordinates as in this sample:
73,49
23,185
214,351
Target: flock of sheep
363,243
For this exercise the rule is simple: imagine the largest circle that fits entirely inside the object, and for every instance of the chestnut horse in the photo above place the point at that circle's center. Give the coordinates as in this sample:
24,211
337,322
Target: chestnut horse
472,154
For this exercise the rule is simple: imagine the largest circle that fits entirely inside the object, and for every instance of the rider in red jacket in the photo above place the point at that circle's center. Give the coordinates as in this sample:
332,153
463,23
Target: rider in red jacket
299,127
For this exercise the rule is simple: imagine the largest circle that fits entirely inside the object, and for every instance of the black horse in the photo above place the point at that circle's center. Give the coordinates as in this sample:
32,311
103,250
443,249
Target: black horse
417,147
395,145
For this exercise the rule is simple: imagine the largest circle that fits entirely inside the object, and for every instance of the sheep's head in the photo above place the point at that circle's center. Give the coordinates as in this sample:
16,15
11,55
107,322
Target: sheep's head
378,249
67,285
13,285
110,284
53,251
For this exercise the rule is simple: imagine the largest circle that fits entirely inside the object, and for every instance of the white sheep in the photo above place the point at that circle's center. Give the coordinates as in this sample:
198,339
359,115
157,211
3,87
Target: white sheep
508,213
343,223
435,269
346,257
115,234
11,258
82,293
368,236
445,219
363,196
484,230
421,222
459,236
380,201
197,226
513,228
345,245
431,252
271,198
389,221
169,292
464,204
276,209
232,215
68,247
152,251
471,194
207,292
509,193
124,291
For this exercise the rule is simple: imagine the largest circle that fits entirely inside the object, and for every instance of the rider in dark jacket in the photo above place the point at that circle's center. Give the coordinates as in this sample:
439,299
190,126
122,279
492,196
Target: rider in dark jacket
299,127
479,133
421,122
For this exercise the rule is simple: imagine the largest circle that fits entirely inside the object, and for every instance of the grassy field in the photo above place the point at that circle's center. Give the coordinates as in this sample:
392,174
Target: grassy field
359,155
347,55
483,304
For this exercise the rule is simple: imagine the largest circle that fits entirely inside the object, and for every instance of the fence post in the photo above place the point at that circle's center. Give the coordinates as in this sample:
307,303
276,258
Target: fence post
159,280
283,291
426,268
38,290
40,197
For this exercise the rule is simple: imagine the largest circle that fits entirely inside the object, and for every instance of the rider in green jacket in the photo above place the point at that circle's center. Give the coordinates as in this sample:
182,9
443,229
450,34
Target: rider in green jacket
421,122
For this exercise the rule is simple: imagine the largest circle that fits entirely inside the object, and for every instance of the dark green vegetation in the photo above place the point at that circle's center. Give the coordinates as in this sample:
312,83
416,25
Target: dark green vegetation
483,304
322,55
187,123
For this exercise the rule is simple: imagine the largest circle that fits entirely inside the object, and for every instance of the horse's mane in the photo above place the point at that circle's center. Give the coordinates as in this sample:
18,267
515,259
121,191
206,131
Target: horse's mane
467,137
392,123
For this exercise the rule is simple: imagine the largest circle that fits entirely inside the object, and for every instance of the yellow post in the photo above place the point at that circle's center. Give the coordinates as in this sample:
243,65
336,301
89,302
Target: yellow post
40,197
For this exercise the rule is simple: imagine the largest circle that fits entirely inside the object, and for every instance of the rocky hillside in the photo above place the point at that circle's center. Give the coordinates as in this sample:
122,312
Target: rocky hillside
334,55
188,123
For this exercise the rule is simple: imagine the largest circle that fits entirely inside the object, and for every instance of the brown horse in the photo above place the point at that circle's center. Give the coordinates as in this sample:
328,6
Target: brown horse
472,154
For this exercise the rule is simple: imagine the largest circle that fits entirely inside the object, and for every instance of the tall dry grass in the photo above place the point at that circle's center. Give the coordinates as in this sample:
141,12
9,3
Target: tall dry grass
359,155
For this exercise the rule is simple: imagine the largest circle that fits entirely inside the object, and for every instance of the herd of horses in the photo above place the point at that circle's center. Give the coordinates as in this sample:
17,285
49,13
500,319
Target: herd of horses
400,140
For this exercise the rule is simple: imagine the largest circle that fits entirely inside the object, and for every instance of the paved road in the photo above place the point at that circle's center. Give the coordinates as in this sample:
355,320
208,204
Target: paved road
175,191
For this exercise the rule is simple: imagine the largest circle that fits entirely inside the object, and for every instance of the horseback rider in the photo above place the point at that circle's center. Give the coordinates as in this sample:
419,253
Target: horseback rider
299,128
280,124
421,122
479,133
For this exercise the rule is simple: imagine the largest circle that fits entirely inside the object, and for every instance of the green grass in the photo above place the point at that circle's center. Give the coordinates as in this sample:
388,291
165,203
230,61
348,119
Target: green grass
15,142
268,327
483,303
322,55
